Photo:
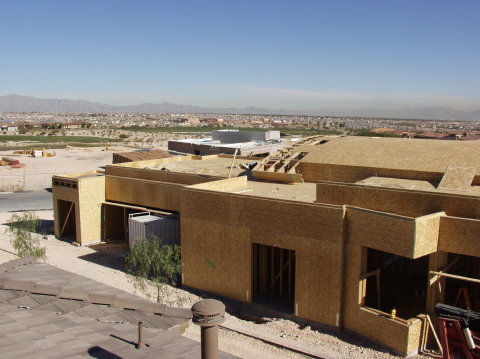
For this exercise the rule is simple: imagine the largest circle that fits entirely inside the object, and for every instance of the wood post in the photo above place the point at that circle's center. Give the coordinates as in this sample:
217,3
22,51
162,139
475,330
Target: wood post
66,219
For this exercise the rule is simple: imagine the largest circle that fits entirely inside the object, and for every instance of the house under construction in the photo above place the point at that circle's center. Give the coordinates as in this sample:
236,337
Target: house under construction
337,230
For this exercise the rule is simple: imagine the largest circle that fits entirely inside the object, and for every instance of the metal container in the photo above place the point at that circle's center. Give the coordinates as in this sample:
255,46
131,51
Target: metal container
145,225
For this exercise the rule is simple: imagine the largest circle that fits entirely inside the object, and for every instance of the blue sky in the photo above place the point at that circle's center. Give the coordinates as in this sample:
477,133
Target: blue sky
294,55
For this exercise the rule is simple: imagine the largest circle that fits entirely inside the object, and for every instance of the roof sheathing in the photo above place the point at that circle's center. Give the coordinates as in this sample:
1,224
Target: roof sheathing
396,153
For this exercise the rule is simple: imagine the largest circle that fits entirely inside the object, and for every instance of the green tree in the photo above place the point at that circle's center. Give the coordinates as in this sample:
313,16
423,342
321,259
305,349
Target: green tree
21,229
151,262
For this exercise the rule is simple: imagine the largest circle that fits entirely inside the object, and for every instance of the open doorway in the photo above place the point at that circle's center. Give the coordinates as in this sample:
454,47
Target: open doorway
66,218
274,277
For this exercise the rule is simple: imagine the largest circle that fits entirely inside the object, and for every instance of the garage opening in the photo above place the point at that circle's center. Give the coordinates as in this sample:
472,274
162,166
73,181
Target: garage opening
123,223
115,228
394,282
66,218
463,290
274,277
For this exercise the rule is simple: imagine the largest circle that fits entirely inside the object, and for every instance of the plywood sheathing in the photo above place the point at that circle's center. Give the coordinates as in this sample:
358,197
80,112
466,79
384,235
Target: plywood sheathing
401,336
414,155
146,193
400,235
156,175
401,183
91,196
427,232
459,235
399,201
218,230
313,172
139,156
154,162
87,199
457,178
229,184
278,176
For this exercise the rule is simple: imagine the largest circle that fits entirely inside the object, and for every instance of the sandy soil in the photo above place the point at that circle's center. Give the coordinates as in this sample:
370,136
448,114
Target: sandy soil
104,262
38,172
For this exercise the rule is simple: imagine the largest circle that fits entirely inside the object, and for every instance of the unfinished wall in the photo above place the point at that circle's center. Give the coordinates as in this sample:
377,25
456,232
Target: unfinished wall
218,229
157,175
91,196
86,192
154,194
400,335
399,201
404,236
313,172
459,235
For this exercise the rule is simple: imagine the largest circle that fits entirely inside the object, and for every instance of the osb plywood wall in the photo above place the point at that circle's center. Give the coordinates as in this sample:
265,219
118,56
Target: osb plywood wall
91,195
157,175
218,230
377,230
313,172
402,337
459,235
145,193
403,202
405,236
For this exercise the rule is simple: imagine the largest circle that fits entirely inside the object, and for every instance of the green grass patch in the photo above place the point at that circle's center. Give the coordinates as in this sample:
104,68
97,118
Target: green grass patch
56,139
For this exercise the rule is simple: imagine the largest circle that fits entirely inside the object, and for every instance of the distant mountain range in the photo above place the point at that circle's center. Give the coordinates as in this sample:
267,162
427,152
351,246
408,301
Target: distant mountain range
18,103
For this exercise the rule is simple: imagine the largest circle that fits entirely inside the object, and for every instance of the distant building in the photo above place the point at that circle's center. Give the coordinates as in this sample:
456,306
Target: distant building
246,143
9,129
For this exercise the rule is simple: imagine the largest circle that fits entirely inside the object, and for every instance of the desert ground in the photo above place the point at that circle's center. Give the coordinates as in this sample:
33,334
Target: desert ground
104,263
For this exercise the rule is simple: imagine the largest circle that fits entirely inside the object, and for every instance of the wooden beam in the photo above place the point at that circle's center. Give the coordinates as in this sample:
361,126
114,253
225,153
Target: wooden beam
434,334
459,277
369,274
233,162
280,264
447,267
66,219
289,274
379,303
277,276
272,270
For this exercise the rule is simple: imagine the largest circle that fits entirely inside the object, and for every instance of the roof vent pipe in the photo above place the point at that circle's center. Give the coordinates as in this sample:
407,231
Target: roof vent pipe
209,314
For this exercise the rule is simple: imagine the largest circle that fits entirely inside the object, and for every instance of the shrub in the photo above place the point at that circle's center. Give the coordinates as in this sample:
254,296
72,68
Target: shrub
21,228
151,262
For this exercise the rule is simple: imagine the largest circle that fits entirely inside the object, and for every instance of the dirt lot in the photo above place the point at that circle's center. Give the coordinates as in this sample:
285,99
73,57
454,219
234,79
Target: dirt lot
104,263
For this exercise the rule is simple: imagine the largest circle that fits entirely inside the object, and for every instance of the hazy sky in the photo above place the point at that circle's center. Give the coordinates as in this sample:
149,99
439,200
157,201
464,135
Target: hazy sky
294,55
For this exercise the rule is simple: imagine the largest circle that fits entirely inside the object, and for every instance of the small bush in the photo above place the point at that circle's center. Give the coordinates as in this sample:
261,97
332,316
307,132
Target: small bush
21,228
151,262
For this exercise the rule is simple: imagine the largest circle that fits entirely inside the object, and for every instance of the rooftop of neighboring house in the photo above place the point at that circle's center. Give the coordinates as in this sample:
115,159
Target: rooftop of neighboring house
46,312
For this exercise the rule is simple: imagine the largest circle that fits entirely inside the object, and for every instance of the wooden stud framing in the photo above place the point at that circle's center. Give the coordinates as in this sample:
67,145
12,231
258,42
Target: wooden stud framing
67,218
454,276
